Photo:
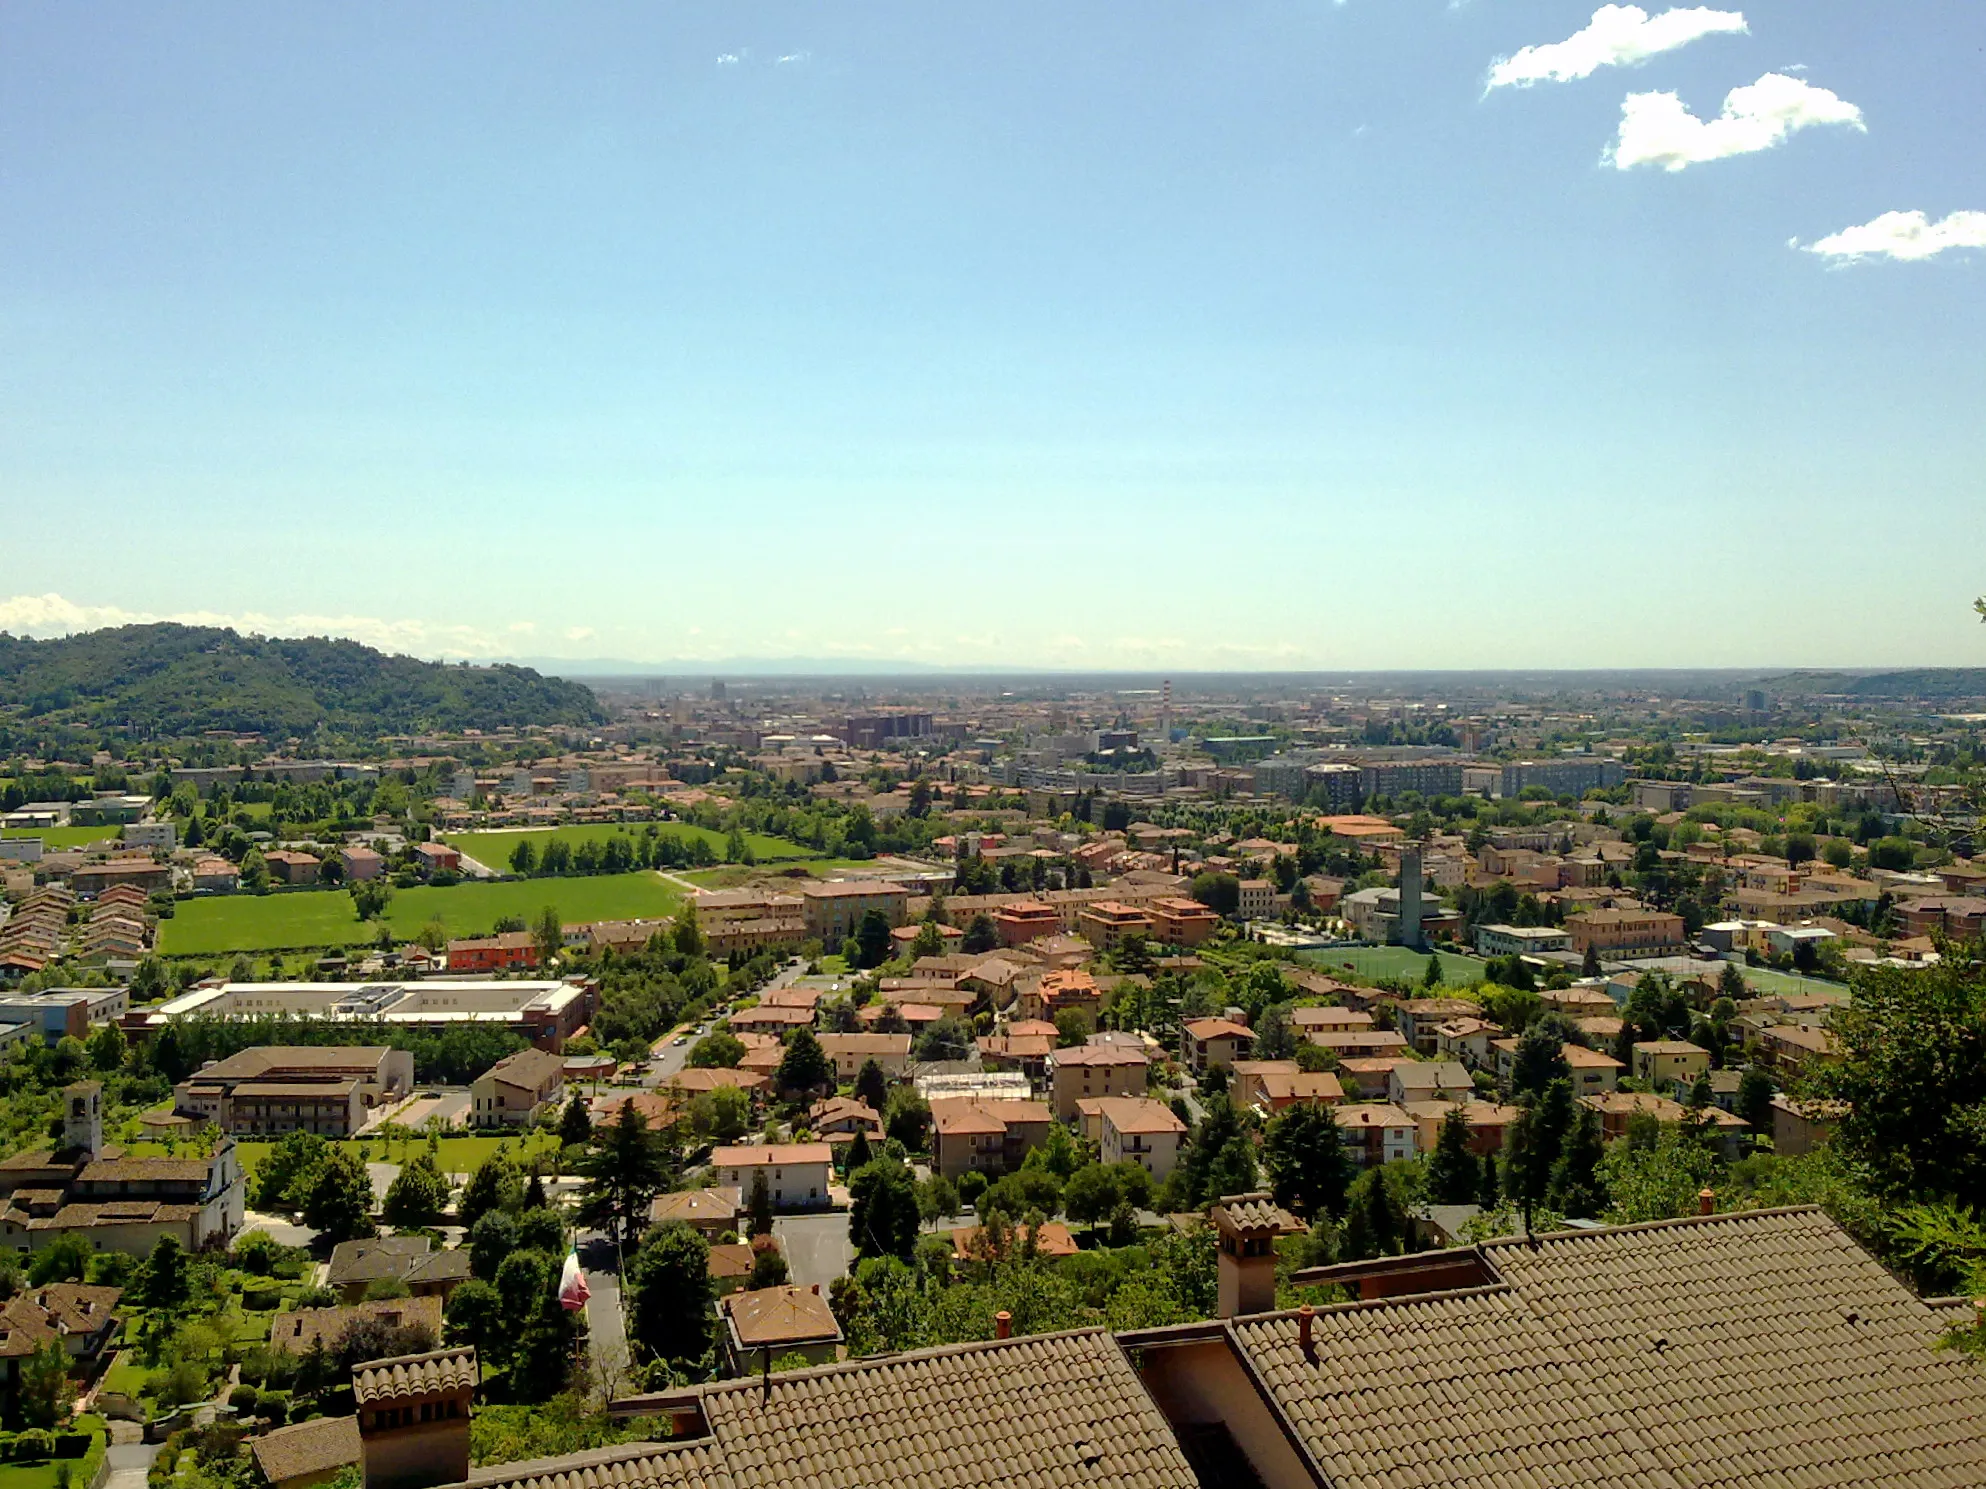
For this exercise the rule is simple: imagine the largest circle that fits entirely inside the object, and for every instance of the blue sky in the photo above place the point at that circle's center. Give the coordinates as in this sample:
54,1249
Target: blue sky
1140,334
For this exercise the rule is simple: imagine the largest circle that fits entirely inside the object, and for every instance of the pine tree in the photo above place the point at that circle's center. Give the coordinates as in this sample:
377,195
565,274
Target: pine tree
1575,1188
575,1126
1454,1177
760,1204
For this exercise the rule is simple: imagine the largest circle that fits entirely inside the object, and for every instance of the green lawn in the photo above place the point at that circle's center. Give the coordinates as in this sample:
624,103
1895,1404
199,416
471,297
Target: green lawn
459,1155
493,849
53,838
327,917
1395,961
1765,980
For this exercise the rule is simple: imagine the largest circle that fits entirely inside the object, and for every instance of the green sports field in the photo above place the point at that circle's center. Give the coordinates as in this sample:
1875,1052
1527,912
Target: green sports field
54,838
308,919
1375,962
493,849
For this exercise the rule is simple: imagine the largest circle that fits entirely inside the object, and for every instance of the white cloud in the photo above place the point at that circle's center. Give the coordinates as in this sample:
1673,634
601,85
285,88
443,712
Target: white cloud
792,58
1656,129
1904,235
1617,36
579,633
52,615
728,59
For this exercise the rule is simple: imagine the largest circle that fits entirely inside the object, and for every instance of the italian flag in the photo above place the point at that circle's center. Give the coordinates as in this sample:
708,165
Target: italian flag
573,1291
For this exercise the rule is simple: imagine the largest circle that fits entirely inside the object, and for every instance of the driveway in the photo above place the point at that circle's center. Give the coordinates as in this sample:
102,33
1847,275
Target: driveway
816,1247
283,1232
130,1464
606,1329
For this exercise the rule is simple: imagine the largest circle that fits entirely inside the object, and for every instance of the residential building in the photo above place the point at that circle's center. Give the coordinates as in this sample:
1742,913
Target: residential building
1105,924
362,863
1428,1080
1377,1133
989,1135
1489,1123
1661,1061
1029,920
356,1265
1133,1130
1625,933
772,1323
796,1174
496,953
286,866
156,836
329,1090
831,911
1182,922
435,858
1257,899
306,1454
1416,1019
1214,1041
295,1332
1800,1126
518,1090
1480,1366
413,1413
850,1052
711,1212
1520,940
1592,1072
1087,1071
1792,1047
1568,776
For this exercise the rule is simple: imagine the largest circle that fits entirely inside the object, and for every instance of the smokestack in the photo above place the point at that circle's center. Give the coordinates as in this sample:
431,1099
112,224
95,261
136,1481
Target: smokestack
1303,1318
817,1289
1003,1325
1706,1202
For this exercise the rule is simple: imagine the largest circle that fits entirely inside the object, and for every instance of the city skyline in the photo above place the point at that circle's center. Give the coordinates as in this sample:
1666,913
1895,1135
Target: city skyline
1361,336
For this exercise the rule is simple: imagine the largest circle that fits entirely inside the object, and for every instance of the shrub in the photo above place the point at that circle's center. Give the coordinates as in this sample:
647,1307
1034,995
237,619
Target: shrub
275,1405
71,1444
242,1399
33,1445
262,1300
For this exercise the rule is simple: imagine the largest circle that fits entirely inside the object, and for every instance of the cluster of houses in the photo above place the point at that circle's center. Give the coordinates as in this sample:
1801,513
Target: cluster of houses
112,928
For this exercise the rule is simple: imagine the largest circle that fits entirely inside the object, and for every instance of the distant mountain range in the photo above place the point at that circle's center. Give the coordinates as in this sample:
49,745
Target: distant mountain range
167,680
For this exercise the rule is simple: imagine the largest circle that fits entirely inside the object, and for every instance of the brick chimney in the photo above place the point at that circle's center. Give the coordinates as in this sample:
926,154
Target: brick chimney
413,1415
1248,1225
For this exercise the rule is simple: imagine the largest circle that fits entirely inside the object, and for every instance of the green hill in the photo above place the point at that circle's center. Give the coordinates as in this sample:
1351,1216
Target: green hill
163,681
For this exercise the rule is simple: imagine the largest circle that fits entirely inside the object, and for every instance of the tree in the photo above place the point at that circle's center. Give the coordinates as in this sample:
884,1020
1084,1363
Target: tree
292,1160
1540,1059
45,1392
1220,893
805,1067
475,1317
575,1126
768,1269
907,1119
627,1168
1220,1159
1754,1104
720,1049
1305,1157
418,1194
495,1185
163,1283
1912,1067
549,935
947,1038
338,1204
979,936
688,935
491,1239
883,1219
669,1279
858,1151
523,858
1091,1194
1375,1217
1574,1188
760,1204
723,1115
1589,964
1454,1177
1431,979
107,1049
1275,1038
872,1086
929,940
65,1259
872,939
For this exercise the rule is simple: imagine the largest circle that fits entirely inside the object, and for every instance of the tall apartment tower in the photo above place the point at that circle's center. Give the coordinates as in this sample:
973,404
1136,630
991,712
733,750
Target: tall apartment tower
1409,932
1165,712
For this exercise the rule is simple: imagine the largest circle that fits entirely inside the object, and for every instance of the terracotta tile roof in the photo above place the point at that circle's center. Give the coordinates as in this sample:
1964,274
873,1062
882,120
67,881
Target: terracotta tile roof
780,1315
374,1258
760,1154
413,1375
298,1329
1750,1350
318,1446
1249,1212
697,1464
717,1205
1048,1410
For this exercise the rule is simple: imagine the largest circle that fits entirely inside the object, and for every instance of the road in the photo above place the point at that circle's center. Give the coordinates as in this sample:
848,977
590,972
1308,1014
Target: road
606,1330
816,1247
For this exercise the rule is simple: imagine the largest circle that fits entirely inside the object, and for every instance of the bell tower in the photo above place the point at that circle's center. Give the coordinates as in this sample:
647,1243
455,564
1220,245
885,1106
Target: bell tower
82,1118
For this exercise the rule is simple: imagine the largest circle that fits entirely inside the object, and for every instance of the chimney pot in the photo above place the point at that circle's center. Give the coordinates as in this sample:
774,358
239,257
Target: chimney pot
1003,1325
1303,1318
817,1289
1706,1202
